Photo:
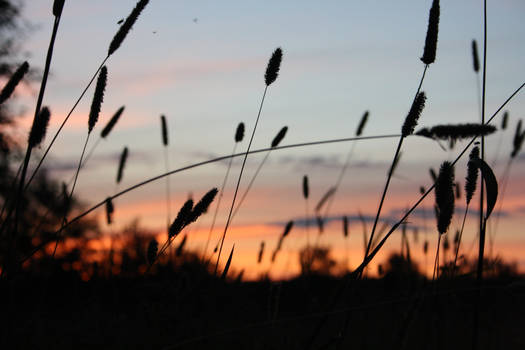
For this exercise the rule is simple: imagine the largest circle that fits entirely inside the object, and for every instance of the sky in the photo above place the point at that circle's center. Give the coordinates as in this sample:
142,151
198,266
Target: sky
202,63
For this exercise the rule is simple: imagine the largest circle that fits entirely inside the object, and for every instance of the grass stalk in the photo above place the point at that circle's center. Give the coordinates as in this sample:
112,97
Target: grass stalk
390,172
221,194
239,180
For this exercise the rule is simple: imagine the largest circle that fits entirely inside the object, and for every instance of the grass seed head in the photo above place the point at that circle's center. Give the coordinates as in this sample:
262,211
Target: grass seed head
429,53
306,189
239,133
122,164
362,124
126,26
39,127
98,98
58,5
13,82
279,137
109,210
182,219
164,127
413,115
261,252
472,174
445,196
109,126
274,64
475,57
505,120
202,206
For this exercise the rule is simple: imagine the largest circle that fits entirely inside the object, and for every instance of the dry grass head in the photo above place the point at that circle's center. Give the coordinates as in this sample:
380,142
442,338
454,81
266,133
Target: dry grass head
261,252
164,127
109,126
122,164
279,137
182,218
202,206
239,133
39,127
126,26
472,174
455,132
429,53
98,98
274,64
109,210
58,5
505,120
362,124
13,82
414,114
306,189
445,196
475,57
345,226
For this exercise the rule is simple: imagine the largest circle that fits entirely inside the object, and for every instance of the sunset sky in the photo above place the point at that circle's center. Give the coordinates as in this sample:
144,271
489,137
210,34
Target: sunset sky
201,63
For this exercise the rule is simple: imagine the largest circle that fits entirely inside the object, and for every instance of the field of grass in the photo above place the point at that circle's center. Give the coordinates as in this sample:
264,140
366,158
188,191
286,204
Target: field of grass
200,280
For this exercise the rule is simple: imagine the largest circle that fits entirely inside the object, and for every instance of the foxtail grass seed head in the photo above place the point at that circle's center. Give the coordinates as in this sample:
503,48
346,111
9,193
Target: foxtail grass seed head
239,133
475,57
279,137
202,206
109,210
306,190
320,223
425,247
472,174
288,228
422,190
455,132
126,26
445,196
519,136
153,247
413,114
122,164
39,128
58,5
13,82
345,226
164,126
98,97
182,218
109,126
429,53
362,124
505,120
261,252
325,198
272,70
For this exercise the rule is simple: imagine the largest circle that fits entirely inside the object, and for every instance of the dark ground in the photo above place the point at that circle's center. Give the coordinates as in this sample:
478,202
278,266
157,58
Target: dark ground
192,310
